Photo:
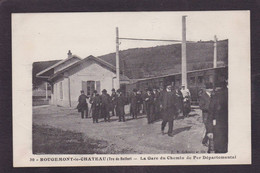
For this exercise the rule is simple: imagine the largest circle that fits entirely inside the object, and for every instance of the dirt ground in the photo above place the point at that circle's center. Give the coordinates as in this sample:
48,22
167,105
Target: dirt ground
133,136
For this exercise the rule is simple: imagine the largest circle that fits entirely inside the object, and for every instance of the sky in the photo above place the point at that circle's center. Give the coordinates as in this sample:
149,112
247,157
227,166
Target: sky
49,36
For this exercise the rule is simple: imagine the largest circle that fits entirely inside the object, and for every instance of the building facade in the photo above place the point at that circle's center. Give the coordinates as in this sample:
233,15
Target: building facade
69,77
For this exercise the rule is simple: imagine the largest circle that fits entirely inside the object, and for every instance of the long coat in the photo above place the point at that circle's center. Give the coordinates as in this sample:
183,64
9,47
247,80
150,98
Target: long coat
204,103
105,104
82,105
120,105
220,130
133,101
95,102
169,105
179,100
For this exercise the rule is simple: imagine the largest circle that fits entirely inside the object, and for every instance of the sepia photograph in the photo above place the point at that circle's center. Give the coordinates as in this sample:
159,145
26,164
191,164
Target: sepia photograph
130,88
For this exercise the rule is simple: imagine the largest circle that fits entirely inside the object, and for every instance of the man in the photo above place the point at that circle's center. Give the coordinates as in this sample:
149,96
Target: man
220,119
105,104
168,99
95,106
83,105
113,103
139,101
149,105
134,104
204,101
186,101
156,104
120,105
179,99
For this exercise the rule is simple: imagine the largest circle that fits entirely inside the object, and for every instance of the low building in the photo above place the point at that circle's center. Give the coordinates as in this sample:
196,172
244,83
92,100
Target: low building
70,76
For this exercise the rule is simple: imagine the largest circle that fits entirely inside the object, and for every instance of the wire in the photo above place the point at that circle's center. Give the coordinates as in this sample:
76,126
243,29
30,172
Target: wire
123,38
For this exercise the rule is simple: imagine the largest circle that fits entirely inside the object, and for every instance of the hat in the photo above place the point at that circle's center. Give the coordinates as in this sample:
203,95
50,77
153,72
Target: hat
95,91
113,89
82,91
134,90
104,91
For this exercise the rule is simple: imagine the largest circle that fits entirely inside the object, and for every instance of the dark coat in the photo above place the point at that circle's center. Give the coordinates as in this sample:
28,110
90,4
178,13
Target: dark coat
149,100
204,101
169,105
156,102
179,97
105,100
133,100
82,105
113,98
120,104
220,130
95,102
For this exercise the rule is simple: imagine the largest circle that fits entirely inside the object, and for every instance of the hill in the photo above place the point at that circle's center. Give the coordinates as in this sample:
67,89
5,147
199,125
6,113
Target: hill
161,60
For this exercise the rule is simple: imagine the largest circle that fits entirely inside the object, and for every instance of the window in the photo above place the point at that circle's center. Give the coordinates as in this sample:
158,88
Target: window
61,91
89,86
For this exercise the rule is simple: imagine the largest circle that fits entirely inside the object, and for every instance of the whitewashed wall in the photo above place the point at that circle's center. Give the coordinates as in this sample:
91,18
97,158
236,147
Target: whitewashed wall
85,72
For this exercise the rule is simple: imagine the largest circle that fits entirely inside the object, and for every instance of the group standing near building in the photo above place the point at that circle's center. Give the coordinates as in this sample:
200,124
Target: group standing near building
166,104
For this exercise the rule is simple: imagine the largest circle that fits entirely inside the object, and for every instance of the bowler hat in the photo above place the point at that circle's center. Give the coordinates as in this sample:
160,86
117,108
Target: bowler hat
104,91
113,89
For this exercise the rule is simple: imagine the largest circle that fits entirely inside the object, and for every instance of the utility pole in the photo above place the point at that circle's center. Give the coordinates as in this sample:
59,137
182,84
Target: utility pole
183,54
46,89
215,52
117,60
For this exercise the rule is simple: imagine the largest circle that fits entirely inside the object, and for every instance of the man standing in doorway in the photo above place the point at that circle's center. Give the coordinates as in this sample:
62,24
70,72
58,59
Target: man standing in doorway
169,101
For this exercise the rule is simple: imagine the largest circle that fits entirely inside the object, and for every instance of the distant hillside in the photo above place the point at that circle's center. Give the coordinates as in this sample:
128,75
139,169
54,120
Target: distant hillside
154,61
39,66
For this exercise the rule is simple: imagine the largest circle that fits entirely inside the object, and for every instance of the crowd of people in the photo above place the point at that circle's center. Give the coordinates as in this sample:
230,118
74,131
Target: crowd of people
165,104
149,102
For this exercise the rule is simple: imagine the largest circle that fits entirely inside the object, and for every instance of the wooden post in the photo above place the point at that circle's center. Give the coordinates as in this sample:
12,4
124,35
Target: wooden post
46,91
183,54
117,60
215,52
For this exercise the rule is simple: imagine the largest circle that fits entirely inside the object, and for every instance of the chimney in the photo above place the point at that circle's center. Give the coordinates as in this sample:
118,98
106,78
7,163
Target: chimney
69,54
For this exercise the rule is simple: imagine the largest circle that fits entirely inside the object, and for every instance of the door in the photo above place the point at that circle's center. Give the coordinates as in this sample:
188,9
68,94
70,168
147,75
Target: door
88,87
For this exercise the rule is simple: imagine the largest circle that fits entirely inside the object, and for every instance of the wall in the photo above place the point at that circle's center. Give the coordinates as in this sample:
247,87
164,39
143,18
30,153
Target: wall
88,71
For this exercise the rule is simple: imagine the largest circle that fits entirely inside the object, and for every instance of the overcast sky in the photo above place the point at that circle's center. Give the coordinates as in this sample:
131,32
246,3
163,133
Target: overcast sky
49,36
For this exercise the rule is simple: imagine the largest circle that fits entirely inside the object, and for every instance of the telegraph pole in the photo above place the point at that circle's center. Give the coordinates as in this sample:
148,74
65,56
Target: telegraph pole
46,91
117,60
183,54
215,52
